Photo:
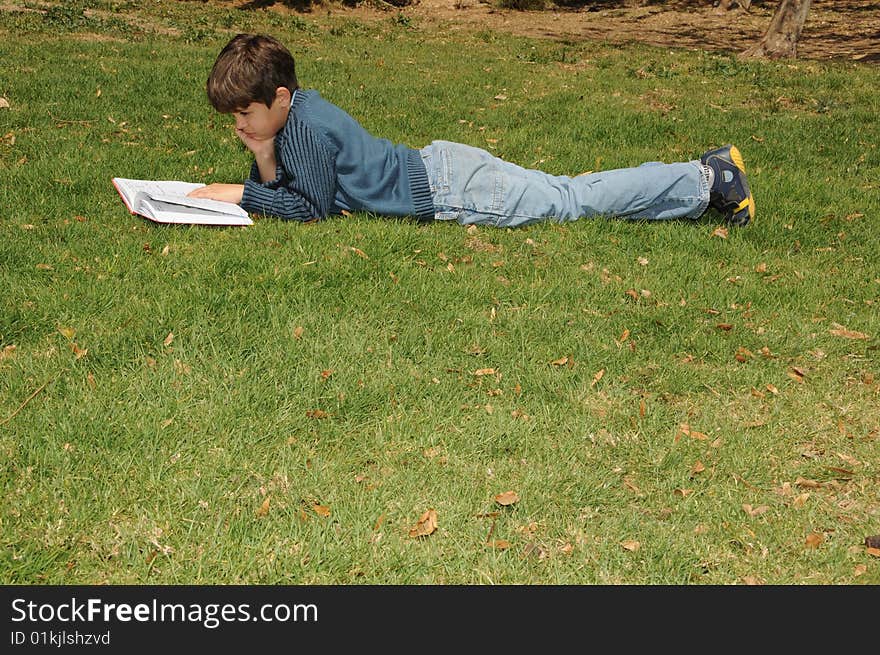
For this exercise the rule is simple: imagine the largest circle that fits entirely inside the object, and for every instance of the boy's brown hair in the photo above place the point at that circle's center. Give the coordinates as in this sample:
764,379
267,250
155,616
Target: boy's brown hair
250,68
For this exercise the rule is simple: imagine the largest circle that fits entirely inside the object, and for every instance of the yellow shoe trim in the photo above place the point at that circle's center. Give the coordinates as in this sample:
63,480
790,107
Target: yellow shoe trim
748,202
737,158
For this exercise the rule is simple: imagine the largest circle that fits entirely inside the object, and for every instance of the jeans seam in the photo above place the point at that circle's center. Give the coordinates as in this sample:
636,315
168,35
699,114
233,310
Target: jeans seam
703,198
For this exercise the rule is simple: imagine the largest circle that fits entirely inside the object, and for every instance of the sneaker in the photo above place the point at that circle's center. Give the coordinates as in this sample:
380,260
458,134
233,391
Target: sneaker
730,193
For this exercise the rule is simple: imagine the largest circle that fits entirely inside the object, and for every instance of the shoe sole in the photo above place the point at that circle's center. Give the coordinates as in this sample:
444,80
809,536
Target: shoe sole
737,159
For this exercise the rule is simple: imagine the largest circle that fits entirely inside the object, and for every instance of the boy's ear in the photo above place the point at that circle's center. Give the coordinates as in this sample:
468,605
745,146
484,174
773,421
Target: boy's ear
283,96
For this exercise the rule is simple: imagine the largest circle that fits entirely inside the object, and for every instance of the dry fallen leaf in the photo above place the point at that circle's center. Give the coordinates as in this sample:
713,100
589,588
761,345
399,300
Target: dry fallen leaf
562,361
720,232
814,540
685,429
321,510
800,500
841,331
796,374
507,498
743,354
484,371
298,332
631,545
630,484
4,103
264,508
698,467
597,376
499,544
844,473
168,339
756,511
533,549
316,413
426,525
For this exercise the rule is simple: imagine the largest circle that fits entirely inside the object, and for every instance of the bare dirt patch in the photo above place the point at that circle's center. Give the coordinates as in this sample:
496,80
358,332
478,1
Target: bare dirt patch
835,29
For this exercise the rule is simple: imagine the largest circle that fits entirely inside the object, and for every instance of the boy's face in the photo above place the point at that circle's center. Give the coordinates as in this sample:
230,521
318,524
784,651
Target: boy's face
257,122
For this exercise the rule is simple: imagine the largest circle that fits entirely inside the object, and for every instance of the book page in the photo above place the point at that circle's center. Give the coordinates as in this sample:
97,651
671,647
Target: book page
130,188
173,192
163,212
207,204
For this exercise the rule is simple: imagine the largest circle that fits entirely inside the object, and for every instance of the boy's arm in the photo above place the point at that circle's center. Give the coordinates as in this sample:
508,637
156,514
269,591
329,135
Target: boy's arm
275,199
302,187
255,196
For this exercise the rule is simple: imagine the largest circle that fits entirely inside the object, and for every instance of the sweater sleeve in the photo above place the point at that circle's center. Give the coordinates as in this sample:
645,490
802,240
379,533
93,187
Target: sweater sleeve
305,182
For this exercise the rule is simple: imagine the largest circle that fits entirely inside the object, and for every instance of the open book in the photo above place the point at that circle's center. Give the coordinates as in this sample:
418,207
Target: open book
165,201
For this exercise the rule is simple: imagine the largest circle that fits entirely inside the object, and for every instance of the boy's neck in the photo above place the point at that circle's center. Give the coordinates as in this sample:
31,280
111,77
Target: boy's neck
288,107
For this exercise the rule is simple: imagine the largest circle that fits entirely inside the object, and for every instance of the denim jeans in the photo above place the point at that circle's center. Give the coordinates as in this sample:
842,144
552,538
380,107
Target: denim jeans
471,185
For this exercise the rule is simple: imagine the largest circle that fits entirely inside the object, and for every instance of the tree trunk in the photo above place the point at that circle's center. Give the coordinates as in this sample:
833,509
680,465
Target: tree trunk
780,40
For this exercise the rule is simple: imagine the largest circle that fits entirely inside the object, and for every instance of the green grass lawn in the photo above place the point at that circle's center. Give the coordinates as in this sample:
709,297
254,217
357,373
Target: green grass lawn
671,403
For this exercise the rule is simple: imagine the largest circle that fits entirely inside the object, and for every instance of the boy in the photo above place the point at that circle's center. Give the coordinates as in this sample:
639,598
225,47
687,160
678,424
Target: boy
311,160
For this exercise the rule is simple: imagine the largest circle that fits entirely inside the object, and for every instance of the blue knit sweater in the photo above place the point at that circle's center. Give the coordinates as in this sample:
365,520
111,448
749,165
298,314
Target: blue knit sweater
327,163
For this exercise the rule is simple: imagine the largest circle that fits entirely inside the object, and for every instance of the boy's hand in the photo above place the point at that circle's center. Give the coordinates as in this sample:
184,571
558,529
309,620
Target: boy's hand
261,148
263,151
225,192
